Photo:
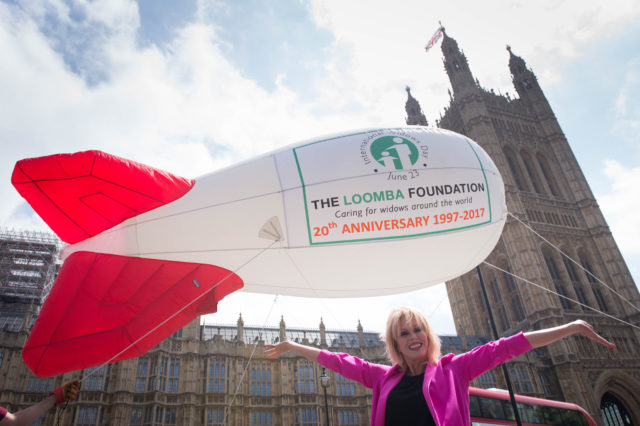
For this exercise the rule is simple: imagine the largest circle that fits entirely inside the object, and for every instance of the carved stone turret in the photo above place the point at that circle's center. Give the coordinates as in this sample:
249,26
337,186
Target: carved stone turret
323,333
524,80
240,332
457,67
283,329
415,117
360,335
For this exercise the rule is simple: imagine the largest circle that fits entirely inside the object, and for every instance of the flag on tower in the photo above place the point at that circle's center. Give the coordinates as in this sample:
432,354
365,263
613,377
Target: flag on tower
434,39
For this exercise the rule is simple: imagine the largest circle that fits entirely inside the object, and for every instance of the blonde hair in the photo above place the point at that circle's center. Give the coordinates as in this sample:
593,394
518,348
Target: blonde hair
409,315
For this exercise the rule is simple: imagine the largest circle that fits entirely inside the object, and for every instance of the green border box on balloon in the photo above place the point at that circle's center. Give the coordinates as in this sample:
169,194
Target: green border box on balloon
304,194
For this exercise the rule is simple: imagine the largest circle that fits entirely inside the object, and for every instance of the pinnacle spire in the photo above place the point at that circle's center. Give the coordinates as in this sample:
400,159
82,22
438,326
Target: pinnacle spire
415,116
517,65
457,67
524,80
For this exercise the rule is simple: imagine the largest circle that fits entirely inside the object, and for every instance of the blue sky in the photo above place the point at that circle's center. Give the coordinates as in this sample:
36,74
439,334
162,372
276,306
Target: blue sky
193,86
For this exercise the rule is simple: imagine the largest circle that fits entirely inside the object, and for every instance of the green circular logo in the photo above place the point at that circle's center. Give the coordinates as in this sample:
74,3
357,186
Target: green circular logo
394,152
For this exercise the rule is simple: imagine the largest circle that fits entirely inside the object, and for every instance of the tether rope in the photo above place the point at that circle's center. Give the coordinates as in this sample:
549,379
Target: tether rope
244,372
325,306
179,310
573,261
560,295
315,292
446,295
240,382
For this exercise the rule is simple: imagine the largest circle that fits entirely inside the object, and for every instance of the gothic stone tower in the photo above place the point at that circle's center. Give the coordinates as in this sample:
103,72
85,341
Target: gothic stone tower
545,189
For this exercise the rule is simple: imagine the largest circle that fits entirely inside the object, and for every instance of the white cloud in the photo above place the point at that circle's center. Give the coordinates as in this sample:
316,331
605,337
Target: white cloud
620,206
186,108
627,105
118,15
385,39
163,108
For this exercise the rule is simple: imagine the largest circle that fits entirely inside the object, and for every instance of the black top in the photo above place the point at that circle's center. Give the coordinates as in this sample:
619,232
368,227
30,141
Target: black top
406,404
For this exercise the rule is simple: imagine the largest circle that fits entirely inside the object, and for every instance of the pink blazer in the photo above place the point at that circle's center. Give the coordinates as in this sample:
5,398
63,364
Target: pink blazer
445,386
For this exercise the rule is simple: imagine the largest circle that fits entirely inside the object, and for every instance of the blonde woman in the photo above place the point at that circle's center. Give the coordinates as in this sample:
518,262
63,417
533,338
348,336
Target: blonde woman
422,387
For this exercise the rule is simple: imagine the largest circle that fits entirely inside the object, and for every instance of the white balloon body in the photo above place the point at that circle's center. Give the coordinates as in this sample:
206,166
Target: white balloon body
368,213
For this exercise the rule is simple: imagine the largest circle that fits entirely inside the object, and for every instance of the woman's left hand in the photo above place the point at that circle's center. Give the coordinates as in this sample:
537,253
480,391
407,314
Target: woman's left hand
586,329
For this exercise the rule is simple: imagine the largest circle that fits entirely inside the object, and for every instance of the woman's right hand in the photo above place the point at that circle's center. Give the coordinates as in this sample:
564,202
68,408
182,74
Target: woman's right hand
274,351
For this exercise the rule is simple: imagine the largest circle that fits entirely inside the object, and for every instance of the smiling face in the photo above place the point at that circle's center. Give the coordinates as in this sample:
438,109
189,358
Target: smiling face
412,342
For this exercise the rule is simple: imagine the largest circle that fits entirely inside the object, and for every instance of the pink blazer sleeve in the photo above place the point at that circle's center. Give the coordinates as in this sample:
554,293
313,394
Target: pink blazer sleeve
353,368
483,358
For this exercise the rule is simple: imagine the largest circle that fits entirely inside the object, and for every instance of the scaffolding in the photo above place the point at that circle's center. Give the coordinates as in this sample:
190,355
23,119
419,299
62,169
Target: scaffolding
28,267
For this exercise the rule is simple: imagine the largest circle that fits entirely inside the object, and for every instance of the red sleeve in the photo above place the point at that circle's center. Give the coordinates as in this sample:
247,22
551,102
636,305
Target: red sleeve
3,412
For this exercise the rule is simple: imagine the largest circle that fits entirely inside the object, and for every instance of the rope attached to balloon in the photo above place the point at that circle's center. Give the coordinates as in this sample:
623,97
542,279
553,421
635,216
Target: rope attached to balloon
560,295
573,261
239,385
308,283
554,292
180,310
244,372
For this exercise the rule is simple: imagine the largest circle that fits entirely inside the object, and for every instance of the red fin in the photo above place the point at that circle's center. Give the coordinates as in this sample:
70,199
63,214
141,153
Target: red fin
80,195
102,303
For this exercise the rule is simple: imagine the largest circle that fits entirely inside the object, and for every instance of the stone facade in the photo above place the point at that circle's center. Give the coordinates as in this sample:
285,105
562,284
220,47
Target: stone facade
546,191
203,375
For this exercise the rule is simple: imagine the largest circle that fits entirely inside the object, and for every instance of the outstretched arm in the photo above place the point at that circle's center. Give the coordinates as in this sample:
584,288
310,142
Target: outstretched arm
274,351
29,414
351,367
67,392
549,335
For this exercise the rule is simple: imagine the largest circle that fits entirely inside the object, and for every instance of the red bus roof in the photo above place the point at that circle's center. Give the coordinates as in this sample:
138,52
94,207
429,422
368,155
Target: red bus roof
504,395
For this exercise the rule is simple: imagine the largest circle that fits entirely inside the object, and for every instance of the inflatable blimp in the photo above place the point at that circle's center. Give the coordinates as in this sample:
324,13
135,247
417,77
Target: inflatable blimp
366,213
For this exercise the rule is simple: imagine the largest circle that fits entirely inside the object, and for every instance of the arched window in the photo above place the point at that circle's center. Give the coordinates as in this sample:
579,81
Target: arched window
512,302
260,380
508,279
215,375
546,385
480,323
303,375
532,172
514,166
495,290
613,412
480,299
551,265
548,174
595,285
521,379
487,380
575,281
555,276
517,309
498,304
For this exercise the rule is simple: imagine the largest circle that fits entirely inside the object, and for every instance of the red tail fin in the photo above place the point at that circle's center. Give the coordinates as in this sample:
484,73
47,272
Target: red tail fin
101,304
80,195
